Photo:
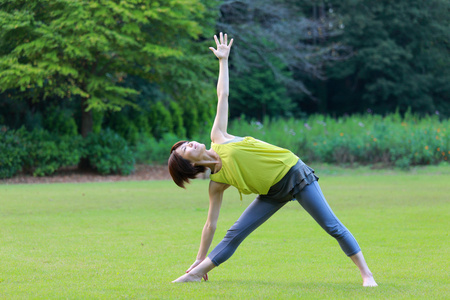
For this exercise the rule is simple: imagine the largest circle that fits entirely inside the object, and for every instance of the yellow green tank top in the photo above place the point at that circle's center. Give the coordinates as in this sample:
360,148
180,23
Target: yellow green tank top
251,165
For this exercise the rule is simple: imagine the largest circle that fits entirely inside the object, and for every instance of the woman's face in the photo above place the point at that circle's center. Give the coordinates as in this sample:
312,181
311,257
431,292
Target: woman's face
192,151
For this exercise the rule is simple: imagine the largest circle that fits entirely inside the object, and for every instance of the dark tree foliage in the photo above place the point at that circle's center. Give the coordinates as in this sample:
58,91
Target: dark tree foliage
143,67
274,41
401,58
339,57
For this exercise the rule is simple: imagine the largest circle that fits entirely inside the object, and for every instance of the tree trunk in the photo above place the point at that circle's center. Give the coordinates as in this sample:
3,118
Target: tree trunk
86,128
86,119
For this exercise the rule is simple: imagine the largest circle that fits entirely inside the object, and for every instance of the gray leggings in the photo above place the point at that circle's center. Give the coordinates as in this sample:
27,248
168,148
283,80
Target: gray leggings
312,200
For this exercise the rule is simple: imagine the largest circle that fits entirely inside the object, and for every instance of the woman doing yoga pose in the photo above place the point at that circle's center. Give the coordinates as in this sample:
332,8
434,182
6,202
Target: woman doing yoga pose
275,174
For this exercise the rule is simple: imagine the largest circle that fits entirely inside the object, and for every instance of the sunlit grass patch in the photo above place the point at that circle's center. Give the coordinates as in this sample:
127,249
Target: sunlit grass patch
130,239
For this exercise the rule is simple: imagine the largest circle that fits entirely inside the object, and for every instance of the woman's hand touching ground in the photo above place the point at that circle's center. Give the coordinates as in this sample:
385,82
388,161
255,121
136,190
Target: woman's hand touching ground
191,277
196,263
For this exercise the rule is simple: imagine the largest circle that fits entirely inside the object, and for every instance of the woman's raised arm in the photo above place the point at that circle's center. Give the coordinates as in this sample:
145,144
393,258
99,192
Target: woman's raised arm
219,130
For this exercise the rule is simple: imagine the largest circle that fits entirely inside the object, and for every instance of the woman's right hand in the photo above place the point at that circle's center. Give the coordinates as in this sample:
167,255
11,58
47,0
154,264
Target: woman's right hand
196,263
223,50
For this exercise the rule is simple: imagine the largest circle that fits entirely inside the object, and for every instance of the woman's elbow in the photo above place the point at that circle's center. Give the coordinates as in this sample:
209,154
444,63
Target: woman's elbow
210,227
222,95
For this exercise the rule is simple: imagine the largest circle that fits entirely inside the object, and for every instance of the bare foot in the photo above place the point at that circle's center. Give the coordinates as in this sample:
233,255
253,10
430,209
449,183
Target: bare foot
188,278
369,281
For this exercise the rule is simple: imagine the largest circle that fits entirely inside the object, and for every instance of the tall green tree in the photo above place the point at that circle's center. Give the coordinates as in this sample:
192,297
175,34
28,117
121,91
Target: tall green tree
400,57
87,49
275,42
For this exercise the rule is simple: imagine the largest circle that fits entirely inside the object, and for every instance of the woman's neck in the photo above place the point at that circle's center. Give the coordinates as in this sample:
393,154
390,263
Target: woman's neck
211,160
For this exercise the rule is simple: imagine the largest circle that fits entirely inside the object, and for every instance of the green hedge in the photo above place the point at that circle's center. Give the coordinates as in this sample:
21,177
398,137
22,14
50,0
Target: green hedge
392,140
109,153
369,139
12,151
42,153
46,153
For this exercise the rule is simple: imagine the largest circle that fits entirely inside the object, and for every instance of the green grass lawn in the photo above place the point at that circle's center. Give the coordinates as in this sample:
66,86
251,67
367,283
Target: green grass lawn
130,239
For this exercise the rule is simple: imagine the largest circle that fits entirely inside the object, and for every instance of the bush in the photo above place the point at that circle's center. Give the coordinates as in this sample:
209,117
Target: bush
47,153
177,119
12,151
60,121
123,125
41,153
151,151
160,120
70,150
392,140
109,153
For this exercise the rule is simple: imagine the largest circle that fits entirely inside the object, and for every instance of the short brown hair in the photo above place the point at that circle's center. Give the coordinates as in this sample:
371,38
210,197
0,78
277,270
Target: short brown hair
181,169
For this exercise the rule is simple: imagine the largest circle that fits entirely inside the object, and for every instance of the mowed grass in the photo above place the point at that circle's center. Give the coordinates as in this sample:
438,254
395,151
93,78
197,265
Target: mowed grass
131,239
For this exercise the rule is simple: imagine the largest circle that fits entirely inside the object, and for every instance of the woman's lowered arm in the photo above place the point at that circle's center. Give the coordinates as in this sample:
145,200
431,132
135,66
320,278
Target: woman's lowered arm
215,201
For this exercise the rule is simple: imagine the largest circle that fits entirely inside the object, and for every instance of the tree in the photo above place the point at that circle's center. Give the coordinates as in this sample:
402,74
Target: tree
400,57
87,49
280,44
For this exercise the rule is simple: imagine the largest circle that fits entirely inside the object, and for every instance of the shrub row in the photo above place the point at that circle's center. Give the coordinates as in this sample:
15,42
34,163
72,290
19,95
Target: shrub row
392,141
363,139
41,153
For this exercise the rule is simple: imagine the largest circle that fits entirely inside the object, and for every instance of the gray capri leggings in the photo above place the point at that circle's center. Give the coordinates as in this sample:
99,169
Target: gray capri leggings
312,200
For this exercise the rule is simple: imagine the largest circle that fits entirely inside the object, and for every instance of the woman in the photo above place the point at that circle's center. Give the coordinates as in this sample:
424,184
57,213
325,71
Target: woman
252,166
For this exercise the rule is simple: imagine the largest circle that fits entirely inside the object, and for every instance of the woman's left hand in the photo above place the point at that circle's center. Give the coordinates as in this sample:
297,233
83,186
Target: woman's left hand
223,50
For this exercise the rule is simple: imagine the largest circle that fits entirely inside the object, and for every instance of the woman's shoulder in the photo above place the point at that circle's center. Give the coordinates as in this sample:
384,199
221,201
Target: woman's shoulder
234,140
220,138
228,140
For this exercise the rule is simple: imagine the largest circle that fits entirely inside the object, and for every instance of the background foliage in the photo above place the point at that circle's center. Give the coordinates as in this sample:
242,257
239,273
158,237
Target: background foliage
400,58
391,141
366,139
140,72
94,52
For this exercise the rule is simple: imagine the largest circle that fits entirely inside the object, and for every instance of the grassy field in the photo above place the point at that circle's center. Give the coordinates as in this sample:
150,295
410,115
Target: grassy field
130,239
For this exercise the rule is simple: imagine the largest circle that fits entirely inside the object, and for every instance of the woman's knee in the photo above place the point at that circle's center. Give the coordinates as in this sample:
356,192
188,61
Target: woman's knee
231,234
336,230
235,234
